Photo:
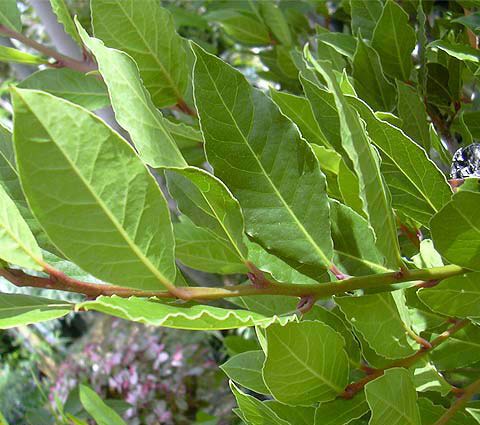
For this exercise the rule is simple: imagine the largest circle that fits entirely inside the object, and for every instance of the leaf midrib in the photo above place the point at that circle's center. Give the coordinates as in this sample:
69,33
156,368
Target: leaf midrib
319,251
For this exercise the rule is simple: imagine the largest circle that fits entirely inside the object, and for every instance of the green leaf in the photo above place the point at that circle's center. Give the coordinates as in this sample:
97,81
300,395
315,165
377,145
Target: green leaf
378,319
133,106
90,192
460,51
355,252
394,40
297,416
373,192
20,310
427,378
431,413
298,109
411,110
10,15
458,350
96,407
84,90
475,413
201,249
344,44
60,9
253,411
276,22
392,399
295,373
406,167
427,257
275,175
208,203
456,230
17,244
9,54
177,316
340,411
370,81
245,369
8,172
146,31
457,296
242,25
365,15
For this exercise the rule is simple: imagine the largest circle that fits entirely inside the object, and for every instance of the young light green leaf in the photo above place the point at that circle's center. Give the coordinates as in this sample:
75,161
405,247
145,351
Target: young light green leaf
201,249
177,316
133,106
274,174
253,411
458,350
365,15
20,310
378,319
392,399
406,167
298,109
295,372
90,192
427,257
10,15
245,369
17,244
9,54
97,408
341,411
60,9
146,32
370,81
411,110
84,90
209,203
456,230
457,296
394,40
373,192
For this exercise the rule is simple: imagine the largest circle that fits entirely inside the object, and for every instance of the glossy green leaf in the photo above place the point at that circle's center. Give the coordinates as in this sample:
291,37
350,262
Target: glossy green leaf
411,110
201,249
418,187
60,8
90,192
365,15
17,244
242,25
355,252
185,136
344,44
9,54
274,174
373,192
349,188
299,415
276,22
298,109
295,372
457,296
475,413
394,40
245,369
431,413
84,90
378,319
208,203
175,315
146,32
392,399
458,51
133,106
98,409
458,350
370,81
456,230
341,411
10,15
253,411
427,378
20,310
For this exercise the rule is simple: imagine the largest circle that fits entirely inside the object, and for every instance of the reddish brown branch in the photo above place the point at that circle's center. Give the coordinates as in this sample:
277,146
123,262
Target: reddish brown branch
407,362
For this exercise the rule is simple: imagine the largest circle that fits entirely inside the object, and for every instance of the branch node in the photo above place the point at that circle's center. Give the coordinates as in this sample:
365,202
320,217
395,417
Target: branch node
305,304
